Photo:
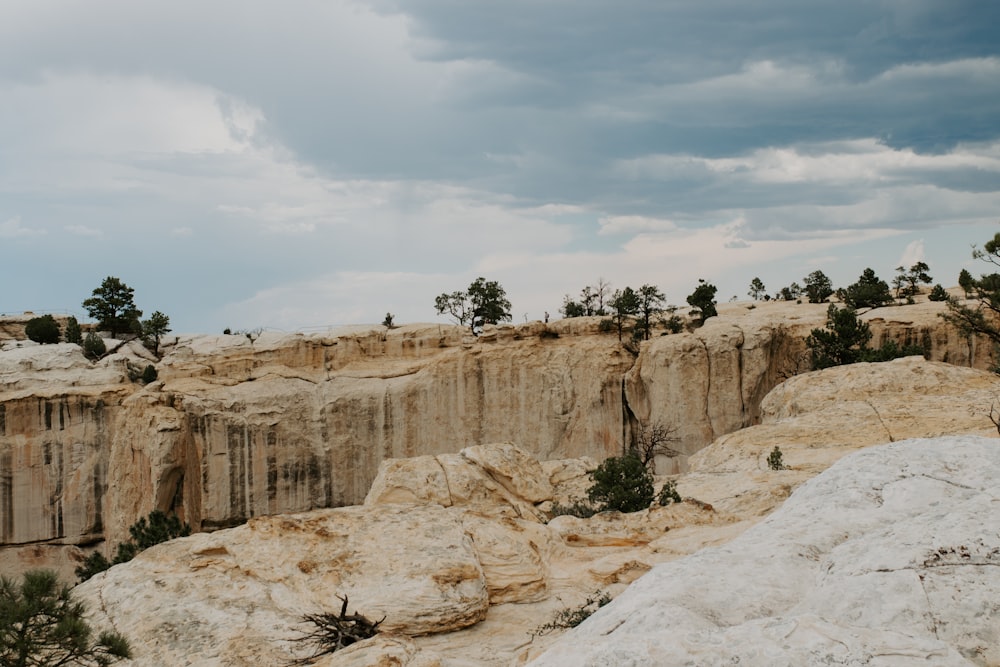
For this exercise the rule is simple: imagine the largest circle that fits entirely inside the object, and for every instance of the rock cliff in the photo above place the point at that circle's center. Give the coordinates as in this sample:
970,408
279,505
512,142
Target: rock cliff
454,550
236,428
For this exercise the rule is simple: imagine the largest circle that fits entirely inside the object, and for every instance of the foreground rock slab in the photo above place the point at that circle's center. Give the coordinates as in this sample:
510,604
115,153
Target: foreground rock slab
890,557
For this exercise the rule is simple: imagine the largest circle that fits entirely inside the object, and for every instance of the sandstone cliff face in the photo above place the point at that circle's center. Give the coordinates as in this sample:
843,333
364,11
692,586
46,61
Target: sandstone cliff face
237,428
451,549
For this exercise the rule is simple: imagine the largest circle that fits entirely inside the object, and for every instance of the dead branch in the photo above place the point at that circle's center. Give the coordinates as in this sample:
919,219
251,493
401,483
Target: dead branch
332,633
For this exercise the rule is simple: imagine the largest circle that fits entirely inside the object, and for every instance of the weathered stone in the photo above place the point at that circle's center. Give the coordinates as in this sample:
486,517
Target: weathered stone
196,600
893,555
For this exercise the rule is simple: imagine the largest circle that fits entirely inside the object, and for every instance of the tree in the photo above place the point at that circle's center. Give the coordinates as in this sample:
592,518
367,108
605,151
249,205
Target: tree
73,332
591,301
845,341
757,289
650,306
624,304
818,287
485,302
906,280
622,484
984,317
572,308
703,299
790,293
842,342
41,625
869,292
154,328
652,441
43,330
93,346
966,282
389,321
112,306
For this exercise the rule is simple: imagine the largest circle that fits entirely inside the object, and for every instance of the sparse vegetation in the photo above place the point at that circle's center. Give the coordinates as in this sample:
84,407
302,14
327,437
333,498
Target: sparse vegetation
624,305
984,317
149,374
757,290
845,341
907,281
41,625
389,321
570,618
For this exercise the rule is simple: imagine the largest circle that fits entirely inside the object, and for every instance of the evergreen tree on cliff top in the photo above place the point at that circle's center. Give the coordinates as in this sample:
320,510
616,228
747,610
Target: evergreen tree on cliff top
113,308
485,302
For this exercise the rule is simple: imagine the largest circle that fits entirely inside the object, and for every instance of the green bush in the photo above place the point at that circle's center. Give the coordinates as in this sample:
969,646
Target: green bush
622,484
44,330
93,346
159,527
73,332
668,494
775,460
938,293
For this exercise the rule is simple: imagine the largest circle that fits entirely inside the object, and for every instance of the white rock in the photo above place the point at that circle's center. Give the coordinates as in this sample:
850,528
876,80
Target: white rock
890,557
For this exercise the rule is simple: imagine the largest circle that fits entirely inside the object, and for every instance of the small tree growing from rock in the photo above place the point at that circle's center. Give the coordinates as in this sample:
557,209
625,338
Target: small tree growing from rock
775,460
93,346
73,332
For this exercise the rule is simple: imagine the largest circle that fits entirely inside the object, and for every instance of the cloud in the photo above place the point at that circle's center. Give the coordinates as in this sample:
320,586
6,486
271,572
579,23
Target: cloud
13,228
83,230
913,253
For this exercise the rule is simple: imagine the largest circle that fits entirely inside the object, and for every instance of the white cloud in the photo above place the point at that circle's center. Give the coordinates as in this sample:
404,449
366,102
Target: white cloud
12,228
83,230
631,224
913,253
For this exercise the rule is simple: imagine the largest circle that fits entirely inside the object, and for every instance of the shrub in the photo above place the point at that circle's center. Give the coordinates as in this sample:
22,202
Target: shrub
44,330
93,346
938,293
842,342
159,527
73,332
606,326
578,508
869,292
668,494
623,484
570,618
774,459
149,374
41,625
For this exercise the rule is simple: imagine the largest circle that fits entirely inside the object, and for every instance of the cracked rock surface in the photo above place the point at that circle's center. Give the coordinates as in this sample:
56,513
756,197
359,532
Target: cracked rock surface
890,557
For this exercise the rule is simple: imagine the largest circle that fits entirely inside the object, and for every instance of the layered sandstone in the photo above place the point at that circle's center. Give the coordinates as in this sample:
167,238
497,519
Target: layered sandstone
454,551
236,428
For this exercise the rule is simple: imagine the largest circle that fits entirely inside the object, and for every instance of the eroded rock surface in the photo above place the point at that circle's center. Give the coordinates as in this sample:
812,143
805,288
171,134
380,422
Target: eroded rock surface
890,557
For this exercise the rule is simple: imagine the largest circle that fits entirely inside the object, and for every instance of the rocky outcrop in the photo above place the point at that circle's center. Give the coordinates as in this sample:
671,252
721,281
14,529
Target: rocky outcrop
235,596
236,428
890,557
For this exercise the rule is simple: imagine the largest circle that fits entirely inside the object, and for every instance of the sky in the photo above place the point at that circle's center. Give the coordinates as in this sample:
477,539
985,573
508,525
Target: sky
305,164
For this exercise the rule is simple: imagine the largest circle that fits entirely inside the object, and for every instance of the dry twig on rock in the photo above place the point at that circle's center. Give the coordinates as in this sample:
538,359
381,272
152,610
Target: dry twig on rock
332,633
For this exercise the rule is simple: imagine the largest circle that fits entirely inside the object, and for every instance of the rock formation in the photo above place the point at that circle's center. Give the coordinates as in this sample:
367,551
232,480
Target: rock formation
454,551
236,428
890,557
